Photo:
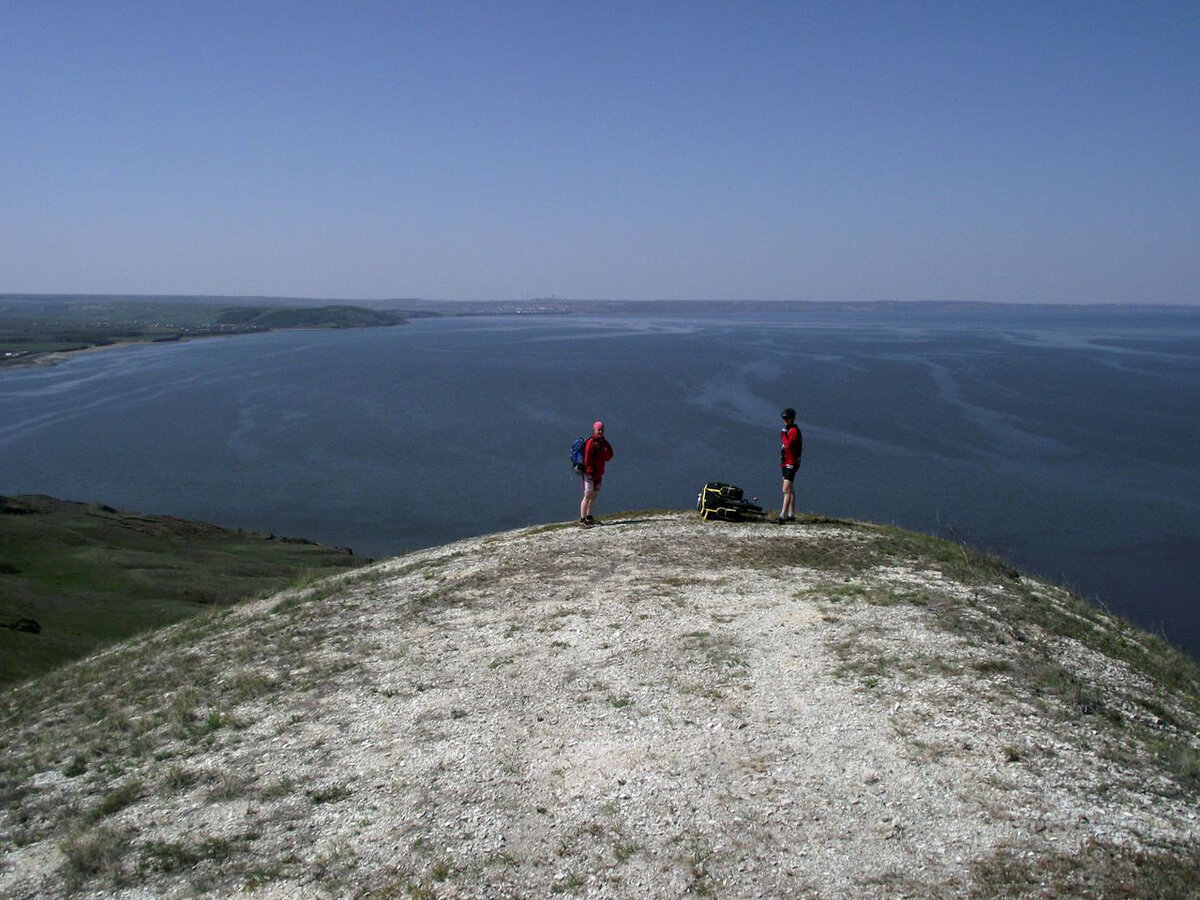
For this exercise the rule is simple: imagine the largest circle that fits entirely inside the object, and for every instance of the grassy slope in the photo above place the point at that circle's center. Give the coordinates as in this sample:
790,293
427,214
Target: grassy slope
90,575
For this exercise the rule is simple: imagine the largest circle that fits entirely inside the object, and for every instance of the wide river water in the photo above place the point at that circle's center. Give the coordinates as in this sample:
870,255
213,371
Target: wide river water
1064,438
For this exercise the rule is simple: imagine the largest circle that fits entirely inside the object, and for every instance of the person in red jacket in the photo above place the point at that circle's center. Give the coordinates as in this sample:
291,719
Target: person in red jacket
791,445
596,452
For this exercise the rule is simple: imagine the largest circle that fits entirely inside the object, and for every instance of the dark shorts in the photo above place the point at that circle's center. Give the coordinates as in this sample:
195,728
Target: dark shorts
789,473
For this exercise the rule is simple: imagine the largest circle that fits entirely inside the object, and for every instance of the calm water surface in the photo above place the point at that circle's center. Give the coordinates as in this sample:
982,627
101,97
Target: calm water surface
1065,439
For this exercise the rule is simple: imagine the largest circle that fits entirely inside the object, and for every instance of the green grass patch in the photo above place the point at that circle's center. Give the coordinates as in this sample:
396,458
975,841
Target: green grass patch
175,856
115,800
332,793
76,577
94,853
1098,869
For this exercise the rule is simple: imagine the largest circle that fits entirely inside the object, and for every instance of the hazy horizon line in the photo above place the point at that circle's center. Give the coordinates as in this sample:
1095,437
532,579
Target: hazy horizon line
59,295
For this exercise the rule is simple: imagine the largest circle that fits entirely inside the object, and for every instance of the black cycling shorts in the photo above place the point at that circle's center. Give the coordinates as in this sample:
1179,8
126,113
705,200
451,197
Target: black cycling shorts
789,473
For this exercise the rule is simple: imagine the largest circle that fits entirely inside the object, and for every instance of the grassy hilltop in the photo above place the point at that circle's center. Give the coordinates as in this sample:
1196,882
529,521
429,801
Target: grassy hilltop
75,577
661,707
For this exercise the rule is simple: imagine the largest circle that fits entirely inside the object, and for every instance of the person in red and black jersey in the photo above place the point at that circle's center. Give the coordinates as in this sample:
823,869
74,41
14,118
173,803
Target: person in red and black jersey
596,452
791,445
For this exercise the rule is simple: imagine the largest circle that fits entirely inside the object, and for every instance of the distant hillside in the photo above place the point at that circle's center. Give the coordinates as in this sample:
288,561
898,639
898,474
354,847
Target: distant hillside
36,330
266,317
75,577
660,707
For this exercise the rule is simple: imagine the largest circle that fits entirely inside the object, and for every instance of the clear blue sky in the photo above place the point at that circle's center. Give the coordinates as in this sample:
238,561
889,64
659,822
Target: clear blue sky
1014,151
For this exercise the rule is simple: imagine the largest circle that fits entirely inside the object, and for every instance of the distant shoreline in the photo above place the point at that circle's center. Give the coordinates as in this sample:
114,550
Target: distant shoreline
535,307
46,331
40,358
563,306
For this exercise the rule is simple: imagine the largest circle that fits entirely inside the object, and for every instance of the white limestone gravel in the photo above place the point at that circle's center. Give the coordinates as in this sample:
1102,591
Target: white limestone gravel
626,711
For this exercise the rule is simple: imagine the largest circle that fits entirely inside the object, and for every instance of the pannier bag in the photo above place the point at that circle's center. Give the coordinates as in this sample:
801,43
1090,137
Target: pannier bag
727,502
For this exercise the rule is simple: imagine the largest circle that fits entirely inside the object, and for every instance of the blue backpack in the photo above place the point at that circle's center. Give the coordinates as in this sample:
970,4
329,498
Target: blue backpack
577,455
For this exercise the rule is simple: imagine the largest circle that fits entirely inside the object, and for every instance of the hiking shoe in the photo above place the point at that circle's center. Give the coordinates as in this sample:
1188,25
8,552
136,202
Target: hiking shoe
590,520
780,520
584,523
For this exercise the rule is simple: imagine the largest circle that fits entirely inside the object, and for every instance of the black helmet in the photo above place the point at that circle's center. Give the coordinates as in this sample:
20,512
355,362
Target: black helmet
789,414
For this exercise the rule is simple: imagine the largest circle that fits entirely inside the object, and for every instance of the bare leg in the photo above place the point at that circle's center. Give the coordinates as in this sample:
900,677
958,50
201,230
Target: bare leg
588,501
789,501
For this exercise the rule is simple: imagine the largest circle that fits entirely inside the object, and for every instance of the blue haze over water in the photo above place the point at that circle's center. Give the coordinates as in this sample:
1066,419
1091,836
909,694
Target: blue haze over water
1063,438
